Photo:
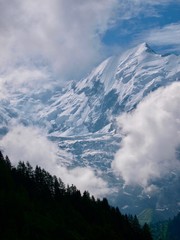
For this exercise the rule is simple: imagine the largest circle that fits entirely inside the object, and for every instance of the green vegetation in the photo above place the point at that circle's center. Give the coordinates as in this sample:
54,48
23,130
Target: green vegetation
160,230
36,205
146,216
174,228
167,230
151,215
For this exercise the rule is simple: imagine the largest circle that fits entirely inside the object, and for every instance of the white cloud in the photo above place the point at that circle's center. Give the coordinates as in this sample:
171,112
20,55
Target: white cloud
84,178
24,79
167,35
31,144
62,33
151,138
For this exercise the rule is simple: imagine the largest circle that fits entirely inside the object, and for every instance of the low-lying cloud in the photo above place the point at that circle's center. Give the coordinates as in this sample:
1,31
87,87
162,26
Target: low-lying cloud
24,80
149,148
31,144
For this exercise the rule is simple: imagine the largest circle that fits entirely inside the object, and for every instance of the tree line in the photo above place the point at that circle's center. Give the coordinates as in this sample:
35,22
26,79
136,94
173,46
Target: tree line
36,205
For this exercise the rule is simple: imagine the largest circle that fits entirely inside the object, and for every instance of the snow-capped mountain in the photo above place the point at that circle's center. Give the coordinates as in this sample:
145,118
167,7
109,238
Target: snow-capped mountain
82,116
116,85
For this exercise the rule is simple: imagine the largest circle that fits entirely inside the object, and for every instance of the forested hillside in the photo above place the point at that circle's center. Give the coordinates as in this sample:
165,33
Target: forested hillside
36,205
167,230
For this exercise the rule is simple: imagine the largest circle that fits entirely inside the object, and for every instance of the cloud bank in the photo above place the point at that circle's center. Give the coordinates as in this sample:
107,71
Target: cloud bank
62,34
149,148
31,144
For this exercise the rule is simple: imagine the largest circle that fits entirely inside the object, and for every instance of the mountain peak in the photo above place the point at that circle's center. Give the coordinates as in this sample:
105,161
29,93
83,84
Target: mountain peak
143,47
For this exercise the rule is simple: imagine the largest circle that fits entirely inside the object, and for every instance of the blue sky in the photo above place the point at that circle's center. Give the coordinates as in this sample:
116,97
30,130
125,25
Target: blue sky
65,39
132,31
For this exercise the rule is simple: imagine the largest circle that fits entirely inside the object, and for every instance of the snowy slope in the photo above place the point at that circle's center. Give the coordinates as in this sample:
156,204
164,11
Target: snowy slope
116,85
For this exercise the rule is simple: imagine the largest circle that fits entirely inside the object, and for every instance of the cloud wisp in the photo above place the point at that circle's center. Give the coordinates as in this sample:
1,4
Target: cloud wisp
148,149
167,35
133,8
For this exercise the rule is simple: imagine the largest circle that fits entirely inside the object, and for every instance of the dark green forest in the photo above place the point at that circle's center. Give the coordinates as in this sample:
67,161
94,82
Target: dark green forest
37,205
167,230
